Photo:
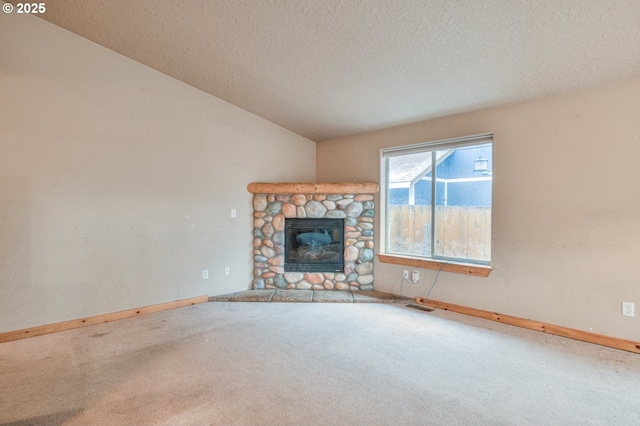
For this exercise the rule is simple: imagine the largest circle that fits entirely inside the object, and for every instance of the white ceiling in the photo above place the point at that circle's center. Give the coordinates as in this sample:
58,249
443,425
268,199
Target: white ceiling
330,68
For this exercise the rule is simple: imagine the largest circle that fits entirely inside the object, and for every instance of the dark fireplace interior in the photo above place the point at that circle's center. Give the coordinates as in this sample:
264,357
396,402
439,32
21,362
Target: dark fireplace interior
314,245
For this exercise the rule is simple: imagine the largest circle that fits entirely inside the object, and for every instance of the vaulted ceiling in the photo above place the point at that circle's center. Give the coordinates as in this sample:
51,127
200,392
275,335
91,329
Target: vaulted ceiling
330,68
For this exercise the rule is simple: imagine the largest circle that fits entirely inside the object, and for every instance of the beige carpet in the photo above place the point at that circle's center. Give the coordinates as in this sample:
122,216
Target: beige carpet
304,364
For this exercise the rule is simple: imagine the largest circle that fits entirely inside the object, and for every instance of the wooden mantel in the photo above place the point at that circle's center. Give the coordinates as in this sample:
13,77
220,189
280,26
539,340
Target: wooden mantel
314,188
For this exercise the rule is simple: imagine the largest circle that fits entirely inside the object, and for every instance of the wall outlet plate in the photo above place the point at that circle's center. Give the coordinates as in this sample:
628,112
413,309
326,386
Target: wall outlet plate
205,274
227,270
405,274
627,309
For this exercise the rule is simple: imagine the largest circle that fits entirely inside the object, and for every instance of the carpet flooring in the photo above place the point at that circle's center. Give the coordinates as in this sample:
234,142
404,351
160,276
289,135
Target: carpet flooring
225,363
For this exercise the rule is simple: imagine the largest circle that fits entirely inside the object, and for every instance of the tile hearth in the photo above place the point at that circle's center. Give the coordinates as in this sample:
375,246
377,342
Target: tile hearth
302,296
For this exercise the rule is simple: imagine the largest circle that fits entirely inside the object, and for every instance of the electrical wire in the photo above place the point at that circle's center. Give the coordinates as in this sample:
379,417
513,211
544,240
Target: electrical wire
401,283
435,280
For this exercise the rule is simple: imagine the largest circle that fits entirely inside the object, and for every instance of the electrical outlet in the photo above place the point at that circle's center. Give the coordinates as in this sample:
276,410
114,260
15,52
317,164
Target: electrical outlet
233,213
205,274
415,276
227,270
627,309
405,274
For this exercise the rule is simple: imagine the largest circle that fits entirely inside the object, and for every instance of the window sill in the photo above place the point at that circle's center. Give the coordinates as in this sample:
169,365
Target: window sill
458,268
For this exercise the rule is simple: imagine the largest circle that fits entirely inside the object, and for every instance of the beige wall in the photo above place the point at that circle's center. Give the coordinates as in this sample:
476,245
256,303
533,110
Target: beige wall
566,219
116,181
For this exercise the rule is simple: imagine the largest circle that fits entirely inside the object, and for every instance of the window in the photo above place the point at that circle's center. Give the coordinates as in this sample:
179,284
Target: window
437,200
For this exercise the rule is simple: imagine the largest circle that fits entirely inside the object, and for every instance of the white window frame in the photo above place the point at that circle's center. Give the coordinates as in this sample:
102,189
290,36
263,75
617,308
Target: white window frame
385,153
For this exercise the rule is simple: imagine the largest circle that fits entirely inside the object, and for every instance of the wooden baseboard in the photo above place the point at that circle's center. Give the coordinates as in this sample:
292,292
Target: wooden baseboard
98,319
585,336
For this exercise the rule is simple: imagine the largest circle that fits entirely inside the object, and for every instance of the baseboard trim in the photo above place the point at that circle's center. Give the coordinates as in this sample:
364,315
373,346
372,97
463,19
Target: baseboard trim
98,319
585,336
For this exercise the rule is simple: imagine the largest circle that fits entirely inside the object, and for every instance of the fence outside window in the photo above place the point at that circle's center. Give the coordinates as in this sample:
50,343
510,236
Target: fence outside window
461,231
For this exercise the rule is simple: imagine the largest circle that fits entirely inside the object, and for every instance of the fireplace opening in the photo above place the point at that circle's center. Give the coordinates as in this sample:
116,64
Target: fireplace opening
314,245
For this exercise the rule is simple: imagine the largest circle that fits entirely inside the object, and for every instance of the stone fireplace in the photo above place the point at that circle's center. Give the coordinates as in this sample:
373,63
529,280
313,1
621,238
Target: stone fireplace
317,236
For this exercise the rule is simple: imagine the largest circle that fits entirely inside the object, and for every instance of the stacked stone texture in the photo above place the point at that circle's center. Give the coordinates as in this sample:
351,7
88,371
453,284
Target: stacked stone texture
269,213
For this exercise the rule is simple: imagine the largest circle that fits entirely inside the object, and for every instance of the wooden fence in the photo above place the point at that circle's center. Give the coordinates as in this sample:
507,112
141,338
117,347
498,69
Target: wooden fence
460,231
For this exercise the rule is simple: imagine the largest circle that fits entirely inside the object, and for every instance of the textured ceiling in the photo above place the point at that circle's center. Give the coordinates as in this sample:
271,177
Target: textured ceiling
330,68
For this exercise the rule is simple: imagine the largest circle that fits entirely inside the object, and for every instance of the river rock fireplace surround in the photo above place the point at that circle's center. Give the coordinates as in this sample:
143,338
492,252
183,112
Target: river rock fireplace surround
306,217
